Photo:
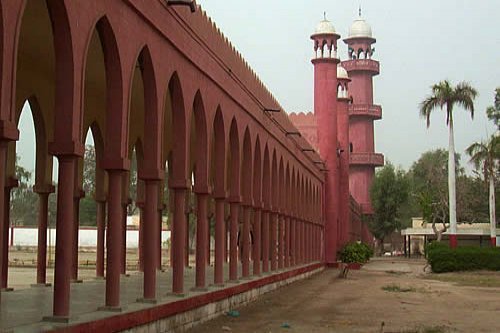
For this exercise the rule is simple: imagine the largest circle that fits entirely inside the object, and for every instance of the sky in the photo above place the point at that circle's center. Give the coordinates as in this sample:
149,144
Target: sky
419,43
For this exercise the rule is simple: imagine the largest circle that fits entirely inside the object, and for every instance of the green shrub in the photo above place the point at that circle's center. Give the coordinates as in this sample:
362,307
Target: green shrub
356,253
442,258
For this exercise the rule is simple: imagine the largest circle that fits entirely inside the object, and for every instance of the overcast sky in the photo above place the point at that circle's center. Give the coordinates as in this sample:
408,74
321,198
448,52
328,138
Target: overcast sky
418,44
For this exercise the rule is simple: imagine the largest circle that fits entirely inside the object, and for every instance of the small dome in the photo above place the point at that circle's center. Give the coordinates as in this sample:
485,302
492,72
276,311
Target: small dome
360,28
324,27
342,73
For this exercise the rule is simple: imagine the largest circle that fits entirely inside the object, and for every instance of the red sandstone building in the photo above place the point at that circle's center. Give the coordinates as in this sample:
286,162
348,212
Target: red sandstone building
341,127
161,79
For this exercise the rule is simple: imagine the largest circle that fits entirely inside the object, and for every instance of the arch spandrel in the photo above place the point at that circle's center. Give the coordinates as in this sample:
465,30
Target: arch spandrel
199,149
257,174
219,155
234,163
246,168
266,178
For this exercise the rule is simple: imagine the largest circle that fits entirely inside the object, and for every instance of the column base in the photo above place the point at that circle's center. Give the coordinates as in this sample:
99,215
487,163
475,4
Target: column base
56,319
453,241
110,308
41,285
147,300
218,285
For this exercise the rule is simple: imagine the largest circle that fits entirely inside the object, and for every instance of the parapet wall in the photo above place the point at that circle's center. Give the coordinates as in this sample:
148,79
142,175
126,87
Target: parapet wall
307,125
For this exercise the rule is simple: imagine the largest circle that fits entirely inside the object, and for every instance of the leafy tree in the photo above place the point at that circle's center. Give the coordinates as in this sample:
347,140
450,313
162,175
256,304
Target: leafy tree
445,96
485,157
493,112
389,192
89,163
23,203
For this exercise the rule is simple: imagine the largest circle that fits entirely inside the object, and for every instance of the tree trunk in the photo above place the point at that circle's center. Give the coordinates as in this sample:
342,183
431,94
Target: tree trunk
493,227
452,181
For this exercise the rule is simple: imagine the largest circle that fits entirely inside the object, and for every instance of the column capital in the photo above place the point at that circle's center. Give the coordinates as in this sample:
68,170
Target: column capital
68,148
179,184
234,199
202,189
44,188
8,131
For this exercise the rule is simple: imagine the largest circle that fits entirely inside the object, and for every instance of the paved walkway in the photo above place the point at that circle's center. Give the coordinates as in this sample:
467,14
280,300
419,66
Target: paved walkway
23,309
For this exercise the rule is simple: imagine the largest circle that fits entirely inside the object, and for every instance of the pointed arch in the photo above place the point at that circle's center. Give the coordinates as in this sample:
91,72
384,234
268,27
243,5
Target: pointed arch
201,153
266,179
219,155
246,170
274,181
180,172
257,174
234,162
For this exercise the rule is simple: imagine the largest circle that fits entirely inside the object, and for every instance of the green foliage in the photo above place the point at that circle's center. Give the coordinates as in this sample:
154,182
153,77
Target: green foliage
23,202
493,112
442,258
356,253
389,192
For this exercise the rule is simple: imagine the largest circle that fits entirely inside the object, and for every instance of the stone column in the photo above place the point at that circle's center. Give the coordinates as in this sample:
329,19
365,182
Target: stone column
287,241
245,242
281,241
150,239
257,245
233,241
115,240
265,240
10,184
79,194
43,212
101,227
201,240
64,235
220,230
273,240
179,241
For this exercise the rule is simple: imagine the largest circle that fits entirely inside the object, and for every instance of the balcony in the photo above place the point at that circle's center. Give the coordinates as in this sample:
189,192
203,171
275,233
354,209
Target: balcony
369,159
365,110
362,65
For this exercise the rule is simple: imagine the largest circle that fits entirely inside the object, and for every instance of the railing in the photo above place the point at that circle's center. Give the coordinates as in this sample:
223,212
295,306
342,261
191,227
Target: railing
367,65
365,110
366,159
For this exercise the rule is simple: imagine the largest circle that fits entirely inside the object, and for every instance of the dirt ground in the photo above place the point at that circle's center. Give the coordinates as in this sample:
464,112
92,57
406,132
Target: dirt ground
387,295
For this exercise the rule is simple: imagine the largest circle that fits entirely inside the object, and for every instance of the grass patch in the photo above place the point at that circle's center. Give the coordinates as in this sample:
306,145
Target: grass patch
471,279
428,329
395,272
396,288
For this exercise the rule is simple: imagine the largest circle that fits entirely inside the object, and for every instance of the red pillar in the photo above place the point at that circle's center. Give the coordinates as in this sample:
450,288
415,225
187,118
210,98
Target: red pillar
233,241
101,227
220,230
123,236
41,258
257,255
159,219
140,244
265,240
293,249
6,220
179,241
64,235
201,240
245,242
150,239
3,161
287,241
114,239
76,228
186,234
281,241
273,239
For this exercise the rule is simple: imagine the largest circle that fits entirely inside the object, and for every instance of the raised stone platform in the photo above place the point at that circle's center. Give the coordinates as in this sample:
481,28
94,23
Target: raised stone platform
23,310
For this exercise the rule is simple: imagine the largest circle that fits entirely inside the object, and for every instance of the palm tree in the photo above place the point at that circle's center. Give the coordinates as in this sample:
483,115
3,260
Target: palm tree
445,97
485,158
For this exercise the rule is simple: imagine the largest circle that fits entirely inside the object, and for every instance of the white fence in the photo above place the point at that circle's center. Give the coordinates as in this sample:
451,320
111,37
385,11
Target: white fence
86,237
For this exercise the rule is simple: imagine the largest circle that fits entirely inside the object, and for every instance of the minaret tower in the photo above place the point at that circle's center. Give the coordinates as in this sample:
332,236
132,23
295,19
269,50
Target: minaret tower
362,113
343,102
325,109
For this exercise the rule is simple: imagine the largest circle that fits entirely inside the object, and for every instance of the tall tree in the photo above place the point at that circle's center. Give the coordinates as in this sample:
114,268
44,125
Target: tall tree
493,112
445,96
485,157
23,200
388,193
